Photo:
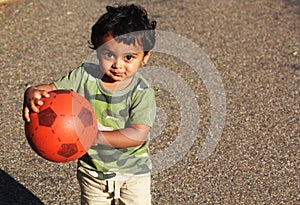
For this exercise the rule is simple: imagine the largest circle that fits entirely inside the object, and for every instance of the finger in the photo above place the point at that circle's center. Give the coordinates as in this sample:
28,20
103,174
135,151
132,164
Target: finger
45,94
39,102
33,107
26,114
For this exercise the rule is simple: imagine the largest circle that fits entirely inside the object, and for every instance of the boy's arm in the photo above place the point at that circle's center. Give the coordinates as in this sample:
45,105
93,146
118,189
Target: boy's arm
32,98
128,137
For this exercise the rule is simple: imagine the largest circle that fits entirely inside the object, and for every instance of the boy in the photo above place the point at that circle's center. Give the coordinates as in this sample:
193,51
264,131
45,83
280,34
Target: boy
116,169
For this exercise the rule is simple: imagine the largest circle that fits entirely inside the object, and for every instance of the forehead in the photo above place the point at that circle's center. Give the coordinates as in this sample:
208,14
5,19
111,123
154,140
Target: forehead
110,43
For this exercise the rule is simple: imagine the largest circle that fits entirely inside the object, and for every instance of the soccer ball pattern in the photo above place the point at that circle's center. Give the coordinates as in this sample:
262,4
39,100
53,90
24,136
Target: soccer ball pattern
65,127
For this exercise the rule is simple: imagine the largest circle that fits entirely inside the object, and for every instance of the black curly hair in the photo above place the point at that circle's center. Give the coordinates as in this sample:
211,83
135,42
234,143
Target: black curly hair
128,24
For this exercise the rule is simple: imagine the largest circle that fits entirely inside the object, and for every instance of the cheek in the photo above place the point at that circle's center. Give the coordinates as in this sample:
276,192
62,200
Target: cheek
133,68
105,64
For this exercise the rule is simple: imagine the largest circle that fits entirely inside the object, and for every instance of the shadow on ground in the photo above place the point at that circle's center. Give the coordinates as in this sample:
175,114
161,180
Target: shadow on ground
12,192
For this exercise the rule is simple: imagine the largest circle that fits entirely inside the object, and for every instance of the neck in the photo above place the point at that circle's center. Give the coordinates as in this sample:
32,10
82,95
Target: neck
112,85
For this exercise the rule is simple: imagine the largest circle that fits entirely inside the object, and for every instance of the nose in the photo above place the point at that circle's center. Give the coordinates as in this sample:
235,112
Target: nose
118,64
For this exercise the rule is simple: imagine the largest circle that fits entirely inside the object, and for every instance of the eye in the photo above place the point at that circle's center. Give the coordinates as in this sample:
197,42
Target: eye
108,55
128,57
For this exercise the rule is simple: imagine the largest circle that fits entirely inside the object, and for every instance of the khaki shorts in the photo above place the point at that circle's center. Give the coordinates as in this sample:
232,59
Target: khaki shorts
133,191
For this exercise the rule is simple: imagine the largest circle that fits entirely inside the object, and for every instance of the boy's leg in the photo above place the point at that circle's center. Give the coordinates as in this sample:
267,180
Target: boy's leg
93,191
136,191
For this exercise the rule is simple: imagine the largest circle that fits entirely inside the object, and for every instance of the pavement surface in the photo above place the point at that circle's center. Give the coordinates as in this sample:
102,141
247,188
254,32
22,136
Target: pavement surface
255,48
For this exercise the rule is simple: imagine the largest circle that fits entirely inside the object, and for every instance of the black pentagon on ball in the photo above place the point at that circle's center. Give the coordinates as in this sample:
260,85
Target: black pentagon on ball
86,117
67,150
47,117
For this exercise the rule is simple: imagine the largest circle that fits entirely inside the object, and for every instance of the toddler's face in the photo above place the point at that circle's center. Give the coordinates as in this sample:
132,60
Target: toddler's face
120,61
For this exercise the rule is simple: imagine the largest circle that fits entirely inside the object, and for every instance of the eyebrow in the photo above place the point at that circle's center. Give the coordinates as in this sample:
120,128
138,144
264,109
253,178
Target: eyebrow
133,53
106,47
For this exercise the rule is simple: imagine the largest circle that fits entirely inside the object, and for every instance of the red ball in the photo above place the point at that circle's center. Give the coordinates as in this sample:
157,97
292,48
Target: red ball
65,127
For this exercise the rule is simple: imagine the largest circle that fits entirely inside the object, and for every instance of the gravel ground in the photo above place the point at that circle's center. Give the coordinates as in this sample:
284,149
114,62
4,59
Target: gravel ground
254,45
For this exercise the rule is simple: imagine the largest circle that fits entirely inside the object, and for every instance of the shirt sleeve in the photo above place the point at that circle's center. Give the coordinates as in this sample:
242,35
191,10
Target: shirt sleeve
143,108
71,81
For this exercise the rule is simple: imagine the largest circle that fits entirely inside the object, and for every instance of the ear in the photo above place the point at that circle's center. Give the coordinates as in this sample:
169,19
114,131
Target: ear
147,57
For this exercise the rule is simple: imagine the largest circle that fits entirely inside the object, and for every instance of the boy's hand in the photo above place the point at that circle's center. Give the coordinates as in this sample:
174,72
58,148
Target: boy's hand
32,98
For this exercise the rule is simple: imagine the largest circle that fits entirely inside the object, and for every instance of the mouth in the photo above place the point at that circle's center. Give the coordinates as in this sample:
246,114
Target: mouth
118,74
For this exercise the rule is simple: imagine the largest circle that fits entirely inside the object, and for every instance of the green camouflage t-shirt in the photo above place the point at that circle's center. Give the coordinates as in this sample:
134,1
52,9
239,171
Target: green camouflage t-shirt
114,110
